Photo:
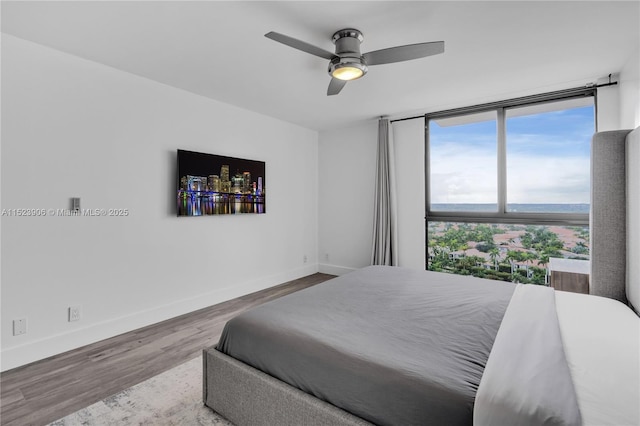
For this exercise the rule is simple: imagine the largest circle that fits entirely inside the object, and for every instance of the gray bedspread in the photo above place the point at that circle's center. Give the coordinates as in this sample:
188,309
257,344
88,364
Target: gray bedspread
390,345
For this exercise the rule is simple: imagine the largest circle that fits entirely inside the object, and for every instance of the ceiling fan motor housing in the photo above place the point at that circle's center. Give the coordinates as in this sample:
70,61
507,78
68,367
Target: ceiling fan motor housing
348,54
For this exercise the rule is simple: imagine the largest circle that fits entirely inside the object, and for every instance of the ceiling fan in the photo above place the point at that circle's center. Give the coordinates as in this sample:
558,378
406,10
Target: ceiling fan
348,63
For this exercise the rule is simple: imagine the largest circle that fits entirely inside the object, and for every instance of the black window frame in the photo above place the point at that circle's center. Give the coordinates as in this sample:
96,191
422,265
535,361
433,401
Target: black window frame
502,215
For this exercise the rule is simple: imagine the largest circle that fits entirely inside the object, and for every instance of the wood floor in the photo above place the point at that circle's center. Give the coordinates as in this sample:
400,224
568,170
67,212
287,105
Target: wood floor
44,391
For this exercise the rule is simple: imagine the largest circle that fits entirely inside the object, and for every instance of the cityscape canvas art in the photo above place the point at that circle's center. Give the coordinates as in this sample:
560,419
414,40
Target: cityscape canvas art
211,184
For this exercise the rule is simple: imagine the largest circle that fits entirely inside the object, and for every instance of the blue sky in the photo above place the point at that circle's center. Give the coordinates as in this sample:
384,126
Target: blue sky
562,133
547,159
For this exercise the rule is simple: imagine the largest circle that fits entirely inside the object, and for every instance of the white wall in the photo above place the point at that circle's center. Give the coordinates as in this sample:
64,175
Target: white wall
619,105
408,138
347,174
608,106
630,93
633,219
347,161
630,119
75,128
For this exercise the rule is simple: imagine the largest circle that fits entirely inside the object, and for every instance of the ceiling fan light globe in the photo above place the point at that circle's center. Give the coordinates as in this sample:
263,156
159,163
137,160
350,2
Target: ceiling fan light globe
347,73
347,69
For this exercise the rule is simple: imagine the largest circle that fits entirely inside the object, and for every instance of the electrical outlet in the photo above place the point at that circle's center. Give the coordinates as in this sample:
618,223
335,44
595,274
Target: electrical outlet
304,259
326,257
19,326
74,313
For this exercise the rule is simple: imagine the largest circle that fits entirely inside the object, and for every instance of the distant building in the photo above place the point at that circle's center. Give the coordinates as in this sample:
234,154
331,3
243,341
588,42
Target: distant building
196,183
238,182
246,182
214,183
225,183
224,173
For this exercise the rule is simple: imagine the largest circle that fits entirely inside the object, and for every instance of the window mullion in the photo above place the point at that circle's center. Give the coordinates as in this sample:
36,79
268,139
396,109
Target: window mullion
502,162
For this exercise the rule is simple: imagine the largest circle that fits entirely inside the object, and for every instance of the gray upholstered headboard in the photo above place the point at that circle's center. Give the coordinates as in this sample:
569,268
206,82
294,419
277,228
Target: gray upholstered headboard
615,216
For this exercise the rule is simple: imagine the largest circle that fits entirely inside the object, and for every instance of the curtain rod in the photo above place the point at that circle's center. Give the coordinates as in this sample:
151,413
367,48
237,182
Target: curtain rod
586,87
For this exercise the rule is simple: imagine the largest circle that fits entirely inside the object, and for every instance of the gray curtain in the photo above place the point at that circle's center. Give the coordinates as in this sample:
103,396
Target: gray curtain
385,233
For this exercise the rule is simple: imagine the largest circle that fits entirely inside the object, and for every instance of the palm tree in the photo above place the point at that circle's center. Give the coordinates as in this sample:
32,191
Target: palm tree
528,257
512,257
543,258
493,255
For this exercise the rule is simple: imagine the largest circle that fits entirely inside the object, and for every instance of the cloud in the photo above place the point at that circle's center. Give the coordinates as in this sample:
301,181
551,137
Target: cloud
463,174
470,176
537,179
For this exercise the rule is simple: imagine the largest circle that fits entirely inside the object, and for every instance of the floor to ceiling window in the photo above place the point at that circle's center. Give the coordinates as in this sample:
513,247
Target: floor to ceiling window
508,186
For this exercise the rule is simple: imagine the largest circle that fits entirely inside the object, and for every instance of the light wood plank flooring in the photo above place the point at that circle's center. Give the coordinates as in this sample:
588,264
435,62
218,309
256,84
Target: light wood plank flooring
44,391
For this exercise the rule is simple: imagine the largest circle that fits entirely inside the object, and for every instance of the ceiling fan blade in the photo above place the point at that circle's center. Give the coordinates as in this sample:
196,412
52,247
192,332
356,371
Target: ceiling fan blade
335,86
403,53
300,45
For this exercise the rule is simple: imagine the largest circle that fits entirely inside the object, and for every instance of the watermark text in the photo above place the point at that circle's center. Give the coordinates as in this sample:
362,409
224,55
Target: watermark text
36,212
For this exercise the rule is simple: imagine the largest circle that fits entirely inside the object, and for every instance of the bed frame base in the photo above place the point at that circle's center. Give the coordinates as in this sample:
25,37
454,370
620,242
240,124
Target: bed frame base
247,396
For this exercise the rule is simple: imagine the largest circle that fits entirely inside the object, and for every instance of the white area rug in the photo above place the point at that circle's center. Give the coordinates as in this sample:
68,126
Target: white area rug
171,398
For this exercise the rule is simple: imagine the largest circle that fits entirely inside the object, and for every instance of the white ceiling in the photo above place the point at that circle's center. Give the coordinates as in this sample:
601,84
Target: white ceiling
493,50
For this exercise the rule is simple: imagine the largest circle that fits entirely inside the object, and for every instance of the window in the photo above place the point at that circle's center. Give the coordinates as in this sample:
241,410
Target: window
508,185
548,154
464,170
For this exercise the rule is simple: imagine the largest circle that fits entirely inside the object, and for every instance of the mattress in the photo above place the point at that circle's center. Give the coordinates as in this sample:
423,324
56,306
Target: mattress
390,345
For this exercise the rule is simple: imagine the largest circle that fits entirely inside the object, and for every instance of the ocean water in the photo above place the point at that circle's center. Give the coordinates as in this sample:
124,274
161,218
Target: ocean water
512,207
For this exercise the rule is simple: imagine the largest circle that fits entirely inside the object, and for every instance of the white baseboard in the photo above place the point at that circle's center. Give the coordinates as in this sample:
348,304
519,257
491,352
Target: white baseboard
56,344
334,269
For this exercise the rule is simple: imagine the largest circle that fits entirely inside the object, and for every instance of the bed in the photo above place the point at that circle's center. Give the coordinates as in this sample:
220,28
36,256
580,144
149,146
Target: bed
389,345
